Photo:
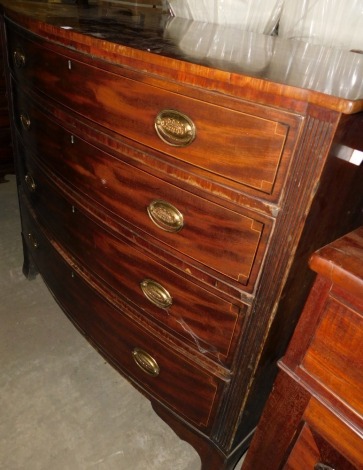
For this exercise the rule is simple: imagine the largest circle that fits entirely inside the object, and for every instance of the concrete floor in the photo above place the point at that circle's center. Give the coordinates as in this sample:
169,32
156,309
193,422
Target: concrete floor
62,407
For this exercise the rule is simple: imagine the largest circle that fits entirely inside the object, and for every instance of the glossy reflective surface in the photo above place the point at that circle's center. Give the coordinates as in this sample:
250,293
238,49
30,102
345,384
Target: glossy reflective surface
148,28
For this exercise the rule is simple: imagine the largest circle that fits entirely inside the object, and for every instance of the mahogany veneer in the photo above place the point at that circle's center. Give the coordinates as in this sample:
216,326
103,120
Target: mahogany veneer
314,416
171,206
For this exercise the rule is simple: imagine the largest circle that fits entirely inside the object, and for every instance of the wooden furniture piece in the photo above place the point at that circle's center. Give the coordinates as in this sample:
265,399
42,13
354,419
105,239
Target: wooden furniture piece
6,153
314,416
171,205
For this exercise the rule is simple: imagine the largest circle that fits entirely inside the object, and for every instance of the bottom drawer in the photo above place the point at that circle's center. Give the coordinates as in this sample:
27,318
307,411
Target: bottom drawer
160,371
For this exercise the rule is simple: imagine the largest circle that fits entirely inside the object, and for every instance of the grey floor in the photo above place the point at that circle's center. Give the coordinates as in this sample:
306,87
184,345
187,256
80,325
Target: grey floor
62,407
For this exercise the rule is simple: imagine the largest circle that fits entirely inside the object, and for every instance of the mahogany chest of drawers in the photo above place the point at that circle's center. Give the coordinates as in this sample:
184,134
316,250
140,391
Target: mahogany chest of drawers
314,416
171,208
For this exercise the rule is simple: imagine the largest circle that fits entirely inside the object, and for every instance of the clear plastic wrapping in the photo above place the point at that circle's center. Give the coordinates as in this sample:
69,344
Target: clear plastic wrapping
334,23
239,33
259,16
329,70
297,63
244,51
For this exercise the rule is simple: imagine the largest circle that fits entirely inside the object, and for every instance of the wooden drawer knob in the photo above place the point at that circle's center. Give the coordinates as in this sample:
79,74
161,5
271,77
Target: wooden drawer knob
156,293
165,216
175,128
31,184
146,362
19,59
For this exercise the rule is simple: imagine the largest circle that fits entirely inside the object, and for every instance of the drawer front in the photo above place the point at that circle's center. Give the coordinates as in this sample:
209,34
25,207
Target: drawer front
129,347
224,240
206,321
312,452
335,356
228,144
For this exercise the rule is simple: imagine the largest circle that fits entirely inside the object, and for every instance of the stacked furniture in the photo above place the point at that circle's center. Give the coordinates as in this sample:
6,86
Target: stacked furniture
171,206
314,416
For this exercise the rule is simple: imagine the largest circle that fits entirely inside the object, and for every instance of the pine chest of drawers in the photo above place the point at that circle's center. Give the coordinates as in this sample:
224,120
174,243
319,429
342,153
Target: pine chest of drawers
171,209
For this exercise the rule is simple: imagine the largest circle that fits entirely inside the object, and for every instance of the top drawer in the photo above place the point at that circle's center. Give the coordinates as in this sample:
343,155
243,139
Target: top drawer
231,146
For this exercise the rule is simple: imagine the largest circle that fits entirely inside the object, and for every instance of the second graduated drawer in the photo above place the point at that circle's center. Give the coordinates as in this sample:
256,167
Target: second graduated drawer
225,144
226,241
209,324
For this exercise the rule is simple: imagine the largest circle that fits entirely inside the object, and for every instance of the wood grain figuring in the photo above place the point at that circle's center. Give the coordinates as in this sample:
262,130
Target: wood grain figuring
94,316
334,356
310,450
124,47
305,453
210,326
130,107
286,403
341,435
323,363
128,192
341,263
256,190
280,256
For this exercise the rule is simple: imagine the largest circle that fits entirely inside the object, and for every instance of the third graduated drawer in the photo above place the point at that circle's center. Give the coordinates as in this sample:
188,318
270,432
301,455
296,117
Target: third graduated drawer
231,142
198,317
228,242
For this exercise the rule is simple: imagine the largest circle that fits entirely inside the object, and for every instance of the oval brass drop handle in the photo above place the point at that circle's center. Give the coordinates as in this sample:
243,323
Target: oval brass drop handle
25,121
175,128
322,466
146,362
29,180
34,243
165,216
156,293
19,59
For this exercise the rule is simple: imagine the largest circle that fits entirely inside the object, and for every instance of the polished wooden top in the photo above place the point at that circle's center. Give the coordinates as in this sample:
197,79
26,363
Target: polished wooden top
342,262
265,69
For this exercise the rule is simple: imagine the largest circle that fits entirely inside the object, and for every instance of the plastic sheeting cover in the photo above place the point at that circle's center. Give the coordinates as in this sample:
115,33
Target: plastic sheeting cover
333,23
339,72
259,16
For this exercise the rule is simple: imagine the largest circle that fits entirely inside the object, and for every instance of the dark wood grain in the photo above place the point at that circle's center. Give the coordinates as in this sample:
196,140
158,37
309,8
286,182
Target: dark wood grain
310,449
116,336
130,107
6,151
324,364
211,326
261,187
101,31
127,192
